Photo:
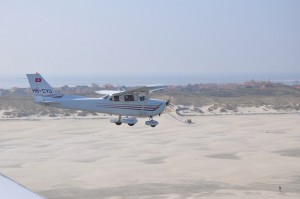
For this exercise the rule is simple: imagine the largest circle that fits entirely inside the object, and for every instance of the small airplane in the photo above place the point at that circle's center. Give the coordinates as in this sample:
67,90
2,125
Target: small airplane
126,104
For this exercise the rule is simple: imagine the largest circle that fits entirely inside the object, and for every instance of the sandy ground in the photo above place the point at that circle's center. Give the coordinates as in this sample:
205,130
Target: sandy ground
216,157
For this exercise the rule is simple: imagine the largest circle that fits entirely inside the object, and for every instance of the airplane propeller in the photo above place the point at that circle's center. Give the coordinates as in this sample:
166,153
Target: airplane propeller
168,102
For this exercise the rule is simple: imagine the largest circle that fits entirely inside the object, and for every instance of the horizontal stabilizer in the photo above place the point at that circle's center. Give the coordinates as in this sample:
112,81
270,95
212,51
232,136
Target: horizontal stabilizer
48,103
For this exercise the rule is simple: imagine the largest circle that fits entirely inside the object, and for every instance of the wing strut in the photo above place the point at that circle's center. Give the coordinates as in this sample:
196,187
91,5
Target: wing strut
146,98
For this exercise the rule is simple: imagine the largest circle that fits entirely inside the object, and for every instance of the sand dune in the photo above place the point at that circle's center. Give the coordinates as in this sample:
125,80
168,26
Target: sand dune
216,157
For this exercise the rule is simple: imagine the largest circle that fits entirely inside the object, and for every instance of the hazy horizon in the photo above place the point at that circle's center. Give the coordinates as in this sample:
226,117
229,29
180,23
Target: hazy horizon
73,80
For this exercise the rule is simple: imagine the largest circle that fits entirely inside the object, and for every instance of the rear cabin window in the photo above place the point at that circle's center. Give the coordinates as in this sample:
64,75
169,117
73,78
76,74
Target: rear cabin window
128,98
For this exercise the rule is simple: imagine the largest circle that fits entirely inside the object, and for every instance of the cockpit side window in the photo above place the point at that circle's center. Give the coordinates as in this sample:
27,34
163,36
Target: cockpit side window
128,98
106,96
116,98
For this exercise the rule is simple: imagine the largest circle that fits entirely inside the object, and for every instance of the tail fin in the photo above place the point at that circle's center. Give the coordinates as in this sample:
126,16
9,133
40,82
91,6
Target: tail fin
40,87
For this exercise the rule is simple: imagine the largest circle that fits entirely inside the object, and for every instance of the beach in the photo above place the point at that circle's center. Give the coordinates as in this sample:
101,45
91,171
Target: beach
224,156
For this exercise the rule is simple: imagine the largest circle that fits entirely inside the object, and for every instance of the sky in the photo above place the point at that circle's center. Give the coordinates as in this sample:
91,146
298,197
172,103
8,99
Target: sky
170,38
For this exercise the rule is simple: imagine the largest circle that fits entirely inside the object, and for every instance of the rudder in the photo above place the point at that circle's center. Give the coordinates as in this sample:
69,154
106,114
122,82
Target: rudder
40,86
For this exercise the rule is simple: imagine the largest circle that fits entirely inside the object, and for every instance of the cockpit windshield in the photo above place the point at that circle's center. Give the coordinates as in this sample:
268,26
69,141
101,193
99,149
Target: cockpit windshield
105,97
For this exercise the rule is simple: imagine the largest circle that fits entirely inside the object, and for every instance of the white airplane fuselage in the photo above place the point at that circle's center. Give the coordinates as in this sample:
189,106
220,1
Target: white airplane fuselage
147,108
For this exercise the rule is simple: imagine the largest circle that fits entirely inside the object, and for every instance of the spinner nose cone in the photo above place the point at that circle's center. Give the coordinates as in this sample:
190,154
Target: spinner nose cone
167,102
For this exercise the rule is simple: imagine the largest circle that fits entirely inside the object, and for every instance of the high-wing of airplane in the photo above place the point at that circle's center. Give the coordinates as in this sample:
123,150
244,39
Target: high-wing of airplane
127,105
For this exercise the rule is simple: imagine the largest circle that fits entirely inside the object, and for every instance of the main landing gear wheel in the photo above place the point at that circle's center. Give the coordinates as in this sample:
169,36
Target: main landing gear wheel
151,122
126,120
